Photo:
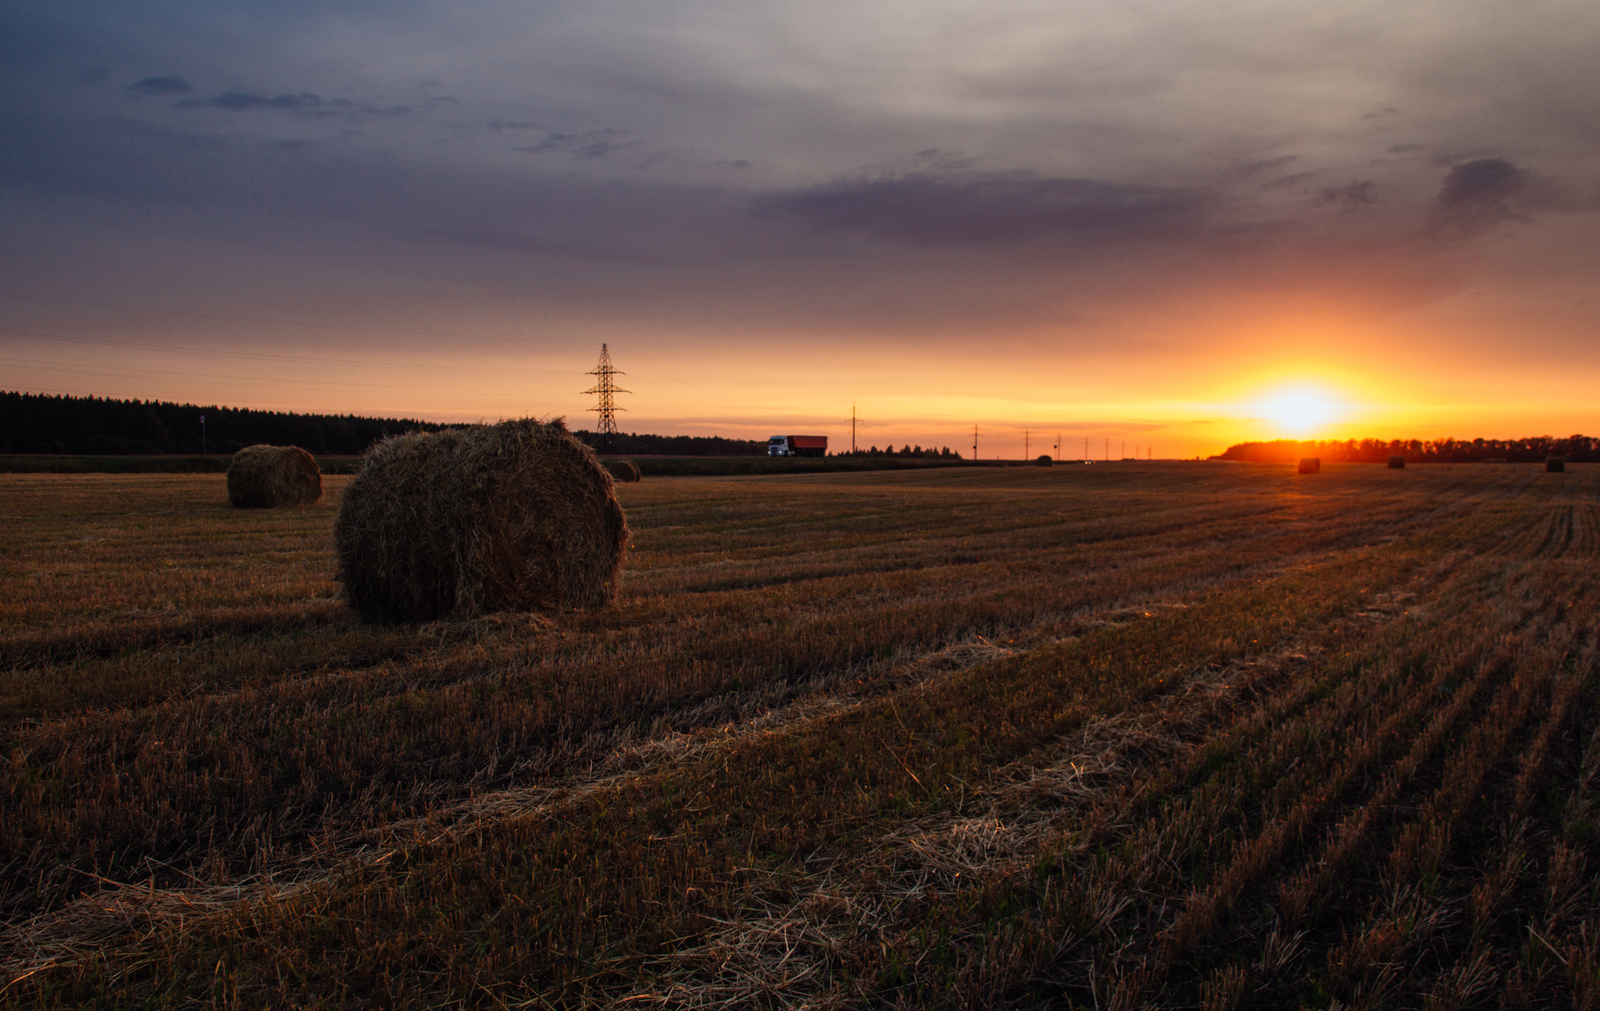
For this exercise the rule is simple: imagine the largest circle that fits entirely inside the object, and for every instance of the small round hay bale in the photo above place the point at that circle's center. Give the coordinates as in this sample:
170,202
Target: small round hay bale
1555,464
264,477
624,470
1397,462
1044,460
1310,464
517,516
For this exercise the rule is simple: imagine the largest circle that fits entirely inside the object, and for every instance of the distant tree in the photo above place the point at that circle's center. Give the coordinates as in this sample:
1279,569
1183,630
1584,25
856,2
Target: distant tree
637,444
1531,449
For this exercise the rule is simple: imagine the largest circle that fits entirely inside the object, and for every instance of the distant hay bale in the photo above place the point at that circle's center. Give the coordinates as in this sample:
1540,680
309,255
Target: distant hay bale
263,477
1555,464
1044,461
624,470
517,516
1310,464
1397,462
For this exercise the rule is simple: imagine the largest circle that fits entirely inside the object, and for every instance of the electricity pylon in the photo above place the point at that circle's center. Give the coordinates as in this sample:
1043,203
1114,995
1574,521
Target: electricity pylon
607,429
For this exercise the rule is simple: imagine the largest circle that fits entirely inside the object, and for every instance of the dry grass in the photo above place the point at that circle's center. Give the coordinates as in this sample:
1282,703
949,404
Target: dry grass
1187,735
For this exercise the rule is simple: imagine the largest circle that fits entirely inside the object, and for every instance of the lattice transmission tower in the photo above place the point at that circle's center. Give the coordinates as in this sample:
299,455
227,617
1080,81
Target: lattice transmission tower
607,391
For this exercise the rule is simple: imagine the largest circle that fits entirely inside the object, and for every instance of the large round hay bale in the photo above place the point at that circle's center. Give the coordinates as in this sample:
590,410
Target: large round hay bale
1397,462
1044,460
518,516
262,477
624,470
1555,464
1310,464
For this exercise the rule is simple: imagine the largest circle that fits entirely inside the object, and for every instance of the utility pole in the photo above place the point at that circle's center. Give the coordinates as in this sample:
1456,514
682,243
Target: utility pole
852,429
607,391
1086,449
974,443
1108,451
202,435
1124,449
1025,449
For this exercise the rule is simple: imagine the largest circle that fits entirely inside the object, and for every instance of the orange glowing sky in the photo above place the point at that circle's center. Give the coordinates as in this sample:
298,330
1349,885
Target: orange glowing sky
1166,231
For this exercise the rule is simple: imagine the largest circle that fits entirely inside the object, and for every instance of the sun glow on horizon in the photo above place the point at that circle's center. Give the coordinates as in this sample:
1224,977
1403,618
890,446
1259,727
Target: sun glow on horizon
1301,410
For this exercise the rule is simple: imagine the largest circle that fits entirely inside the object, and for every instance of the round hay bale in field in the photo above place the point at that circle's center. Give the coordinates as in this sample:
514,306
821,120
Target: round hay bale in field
1044,460
1397,462
624,470
1310,464
517,516
263,477
1555,464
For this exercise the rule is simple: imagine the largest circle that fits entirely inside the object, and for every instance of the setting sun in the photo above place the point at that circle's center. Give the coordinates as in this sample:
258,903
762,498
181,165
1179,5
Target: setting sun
1300,410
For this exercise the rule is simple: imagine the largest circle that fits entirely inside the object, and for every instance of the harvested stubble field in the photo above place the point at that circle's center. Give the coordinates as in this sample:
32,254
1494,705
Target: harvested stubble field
1137,735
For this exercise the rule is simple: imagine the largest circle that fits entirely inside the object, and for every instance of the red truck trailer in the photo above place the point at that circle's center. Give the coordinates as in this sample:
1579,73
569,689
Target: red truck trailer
797,445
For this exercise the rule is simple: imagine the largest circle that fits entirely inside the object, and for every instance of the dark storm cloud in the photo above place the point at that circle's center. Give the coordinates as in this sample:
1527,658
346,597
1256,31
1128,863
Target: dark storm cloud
305,103
589,144
1265,165
256,184
923,209
236,100
1355,195
161,86
373,111
1288,181
1477,195
1484,182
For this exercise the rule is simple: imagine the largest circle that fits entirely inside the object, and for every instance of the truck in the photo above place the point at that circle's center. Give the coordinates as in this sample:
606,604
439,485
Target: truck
797,445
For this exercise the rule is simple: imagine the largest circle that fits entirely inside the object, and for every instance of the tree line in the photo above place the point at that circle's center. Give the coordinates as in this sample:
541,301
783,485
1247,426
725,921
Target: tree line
101,426
1577,448
36,423
907,450
637,444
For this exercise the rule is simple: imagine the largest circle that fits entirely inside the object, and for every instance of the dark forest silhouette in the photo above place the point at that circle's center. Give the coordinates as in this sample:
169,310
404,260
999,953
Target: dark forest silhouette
636,444
99,426
1579,448
908,450
36,423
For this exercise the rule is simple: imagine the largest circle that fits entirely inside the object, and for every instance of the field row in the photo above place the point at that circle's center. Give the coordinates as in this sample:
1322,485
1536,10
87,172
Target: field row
949,737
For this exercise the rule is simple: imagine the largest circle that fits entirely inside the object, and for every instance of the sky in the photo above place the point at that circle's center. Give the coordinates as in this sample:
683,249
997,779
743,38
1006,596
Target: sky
1152,227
